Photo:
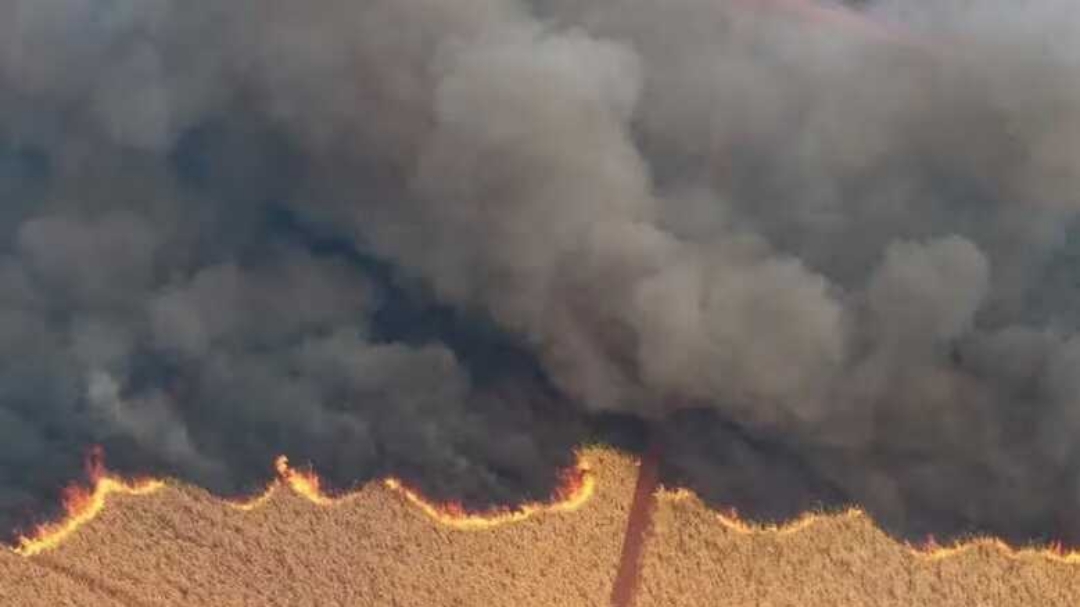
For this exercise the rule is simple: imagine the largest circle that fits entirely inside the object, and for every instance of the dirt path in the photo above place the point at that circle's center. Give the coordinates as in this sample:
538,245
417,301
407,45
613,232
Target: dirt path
637,527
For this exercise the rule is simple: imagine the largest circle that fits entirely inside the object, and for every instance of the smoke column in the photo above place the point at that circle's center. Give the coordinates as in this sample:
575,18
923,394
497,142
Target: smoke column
450,239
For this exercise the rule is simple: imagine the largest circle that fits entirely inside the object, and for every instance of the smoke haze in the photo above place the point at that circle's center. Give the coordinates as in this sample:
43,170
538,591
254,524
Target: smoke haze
450,239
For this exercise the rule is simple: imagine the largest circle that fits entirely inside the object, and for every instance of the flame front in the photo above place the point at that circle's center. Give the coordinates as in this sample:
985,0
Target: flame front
81,505
578,486
247,505
929,550
1055,551
305,483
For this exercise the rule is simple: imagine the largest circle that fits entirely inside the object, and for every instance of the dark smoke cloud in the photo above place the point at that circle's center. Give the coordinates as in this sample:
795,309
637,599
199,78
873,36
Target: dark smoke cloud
451,239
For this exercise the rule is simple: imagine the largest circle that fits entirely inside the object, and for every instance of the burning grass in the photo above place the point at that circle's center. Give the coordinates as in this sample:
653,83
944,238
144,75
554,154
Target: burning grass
698,556
380,545
387,544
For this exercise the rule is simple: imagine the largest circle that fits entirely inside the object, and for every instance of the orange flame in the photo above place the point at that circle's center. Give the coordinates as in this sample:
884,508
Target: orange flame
1055,551
81,505
930,550
732,521
252,503
303,482
578,486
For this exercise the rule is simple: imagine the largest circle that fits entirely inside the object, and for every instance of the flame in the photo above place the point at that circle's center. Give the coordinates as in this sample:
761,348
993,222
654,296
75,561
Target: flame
732,521
303,482
81,505
578,486
928,551
249,504
1055,551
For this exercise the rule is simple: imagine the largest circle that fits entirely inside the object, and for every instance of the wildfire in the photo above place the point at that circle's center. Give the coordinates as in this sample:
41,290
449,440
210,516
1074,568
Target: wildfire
247,505
578,486
1055,551
732,521
930,550
303,482
81,505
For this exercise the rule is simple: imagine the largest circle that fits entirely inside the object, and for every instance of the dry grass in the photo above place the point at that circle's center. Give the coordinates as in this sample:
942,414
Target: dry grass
182,547
844,560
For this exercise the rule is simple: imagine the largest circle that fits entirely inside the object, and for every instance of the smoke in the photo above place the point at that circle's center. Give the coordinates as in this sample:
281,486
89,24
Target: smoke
829,261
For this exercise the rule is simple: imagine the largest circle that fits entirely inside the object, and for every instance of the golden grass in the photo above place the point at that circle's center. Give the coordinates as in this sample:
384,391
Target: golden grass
695,558
182,547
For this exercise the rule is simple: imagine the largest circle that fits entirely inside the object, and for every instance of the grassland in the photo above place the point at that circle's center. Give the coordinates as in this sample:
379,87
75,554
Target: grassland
842,560
182,547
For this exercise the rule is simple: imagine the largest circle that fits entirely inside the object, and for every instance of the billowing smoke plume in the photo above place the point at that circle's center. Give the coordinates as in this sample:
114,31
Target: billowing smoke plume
829,261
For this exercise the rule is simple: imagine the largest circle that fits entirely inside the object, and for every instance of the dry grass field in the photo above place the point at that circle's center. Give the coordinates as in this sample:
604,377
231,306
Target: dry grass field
182,547
841,560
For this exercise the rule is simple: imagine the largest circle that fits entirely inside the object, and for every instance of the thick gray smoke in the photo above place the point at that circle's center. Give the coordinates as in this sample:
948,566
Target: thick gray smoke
830,262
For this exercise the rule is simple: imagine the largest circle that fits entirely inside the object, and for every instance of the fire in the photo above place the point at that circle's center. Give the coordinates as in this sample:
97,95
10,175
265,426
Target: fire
247,505
303,482
732,521
929,551
1055,551
81,505
578,486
